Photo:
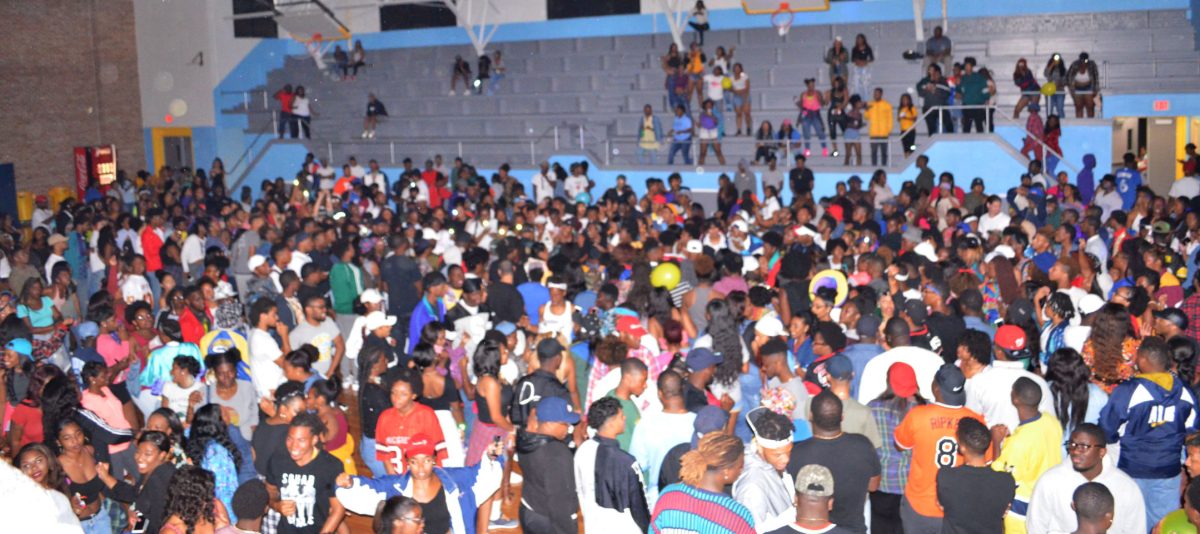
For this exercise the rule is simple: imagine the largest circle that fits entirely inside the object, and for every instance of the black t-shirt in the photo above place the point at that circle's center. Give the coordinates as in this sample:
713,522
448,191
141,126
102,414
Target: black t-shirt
401,274
310,487
865,54
852,460
945,331
506,302
668,473
694,398
974,499
267,441
801,180
795,529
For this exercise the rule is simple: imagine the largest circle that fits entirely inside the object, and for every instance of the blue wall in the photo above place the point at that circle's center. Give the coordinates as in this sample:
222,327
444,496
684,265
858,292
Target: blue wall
1180,104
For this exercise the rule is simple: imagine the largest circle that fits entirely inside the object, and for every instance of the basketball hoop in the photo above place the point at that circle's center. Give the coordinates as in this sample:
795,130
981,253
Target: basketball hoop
782,18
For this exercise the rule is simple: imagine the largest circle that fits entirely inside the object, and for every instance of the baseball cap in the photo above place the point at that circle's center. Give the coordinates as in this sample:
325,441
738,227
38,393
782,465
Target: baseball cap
912,234
708,419
371,296
41,198
1000,251
770,326
506,328
701,358
902,379
839,367
1019,312
1174,316
256,261
56,239
951,381
1160,227
1045,261
628,324
915,310
868,326
926,250
556,410
223,291
378,319
419,445
740,225
814,480
20,346
694,247
1010,337
549,348
977,181
87,329
1090,303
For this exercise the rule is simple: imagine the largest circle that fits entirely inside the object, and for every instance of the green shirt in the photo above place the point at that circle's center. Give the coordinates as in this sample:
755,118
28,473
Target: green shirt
345,285
973,88
632,416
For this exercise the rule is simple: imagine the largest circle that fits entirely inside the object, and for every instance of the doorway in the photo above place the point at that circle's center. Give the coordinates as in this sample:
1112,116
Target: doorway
177,152
1159,137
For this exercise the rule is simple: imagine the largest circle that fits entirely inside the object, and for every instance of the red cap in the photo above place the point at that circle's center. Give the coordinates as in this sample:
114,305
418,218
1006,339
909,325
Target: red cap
41,198
628,324
418,445
902,379
835,211
1010,337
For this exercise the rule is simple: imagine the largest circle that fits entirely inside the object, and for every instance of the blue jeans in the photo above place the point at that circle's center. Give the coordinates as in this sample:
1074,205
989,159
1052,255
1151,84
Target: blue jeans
751,384
368,457
101,523
1161,496
493,82
677,100
1057,105
810,122
680,146
645,155
1051,163
719,111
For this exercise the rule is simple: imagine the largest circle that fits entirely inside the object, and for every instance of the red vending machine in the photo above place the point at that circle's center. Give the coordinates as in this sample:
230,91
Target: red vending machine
95,163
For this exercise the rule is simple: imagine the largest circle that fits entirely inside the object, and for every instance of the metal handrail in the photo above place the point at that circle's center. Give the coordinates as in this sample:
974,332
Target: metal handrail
989,122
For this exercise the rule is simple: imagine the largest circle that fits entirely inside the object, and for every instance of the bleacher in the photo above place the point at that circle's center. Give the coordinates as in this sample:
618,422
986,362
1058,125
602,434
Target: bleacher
601,84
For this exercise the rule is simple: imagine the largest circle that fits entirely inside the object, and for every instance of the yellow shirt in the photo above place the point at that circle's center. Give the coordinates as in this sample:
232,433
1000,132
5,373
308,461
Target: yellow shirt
1032,449
879,118
908,116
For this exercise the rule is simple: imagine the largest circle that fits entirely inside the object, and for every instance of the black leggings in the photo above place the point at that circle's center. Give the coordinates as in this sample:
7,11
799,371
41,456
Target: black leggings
835,122
700,29
885,513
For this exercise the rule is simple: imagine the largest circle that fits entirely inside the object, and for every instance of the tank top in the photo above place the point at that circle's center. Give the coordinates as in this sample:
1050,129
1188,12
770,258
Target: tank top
558,323
695,64
810,102
339,434
481,405
89,491
437,515
837,101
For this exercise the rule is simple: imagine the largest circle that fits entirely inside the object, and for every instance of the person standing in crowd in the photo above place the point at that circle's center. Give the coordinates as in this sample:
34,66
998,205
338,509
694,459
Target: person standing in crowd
1028,450
931,432
815,485
974,496
659,431
861,56
888,410
548,501
608,480
1050,509
698,502
1150,415
302,481
879,121
765,487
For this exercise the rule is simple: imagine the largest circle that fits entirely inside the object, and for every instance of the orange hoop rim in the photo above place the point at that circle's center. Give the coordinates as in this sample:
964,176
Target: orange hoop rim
777,18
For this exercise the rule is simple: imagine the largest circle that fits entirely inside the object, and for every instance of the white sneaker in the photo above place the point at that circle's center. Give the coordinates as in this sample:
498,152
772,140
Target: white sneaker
452,92
364,135
466,92
371,134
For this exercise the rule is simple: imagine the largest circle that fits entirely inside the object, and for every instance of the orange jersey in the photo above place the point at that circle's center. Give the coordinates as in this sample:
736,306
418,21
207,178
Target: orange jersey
929,431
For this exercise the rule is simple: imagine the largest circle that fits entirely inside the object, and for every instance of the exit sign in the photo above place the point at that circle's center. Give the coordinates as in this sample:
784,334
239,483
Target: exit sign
1162,105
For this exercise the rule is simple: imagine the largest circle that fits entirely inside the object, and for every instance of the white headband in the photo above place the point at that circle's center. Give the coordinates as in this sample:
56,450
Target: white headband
761,441
557,286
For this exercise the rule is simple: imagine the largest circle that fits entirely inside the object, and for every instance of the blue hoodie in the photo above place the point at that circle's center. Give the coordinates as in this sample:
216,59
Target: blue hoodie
1150,415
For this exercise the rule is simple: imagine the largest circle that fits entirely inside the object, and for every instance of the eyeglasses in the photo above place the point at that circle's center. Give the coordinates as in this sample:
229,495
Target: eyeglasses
416,520
1084,447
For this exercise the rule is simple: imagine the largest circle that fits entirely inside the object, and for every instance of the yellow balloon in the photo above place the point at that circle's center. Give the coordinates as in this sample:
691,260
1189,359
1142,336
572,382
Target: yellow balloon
666,276
726,83
1049,89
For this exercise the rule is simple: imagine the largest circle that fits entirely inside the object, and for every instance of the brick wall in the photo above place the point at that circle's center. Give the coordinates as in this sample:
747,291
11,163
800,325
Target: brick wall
69,70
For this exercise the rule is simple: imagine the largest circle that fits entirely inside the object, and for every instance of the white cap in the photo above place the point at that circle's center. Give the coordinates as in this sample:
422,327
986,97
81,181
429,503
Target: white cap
749,264
1000,250
256,261
740,225
540,219
971,219
370,296
770,326
925,250
911,294
1090,303
837,38
224,290
806,230
377,319
694,247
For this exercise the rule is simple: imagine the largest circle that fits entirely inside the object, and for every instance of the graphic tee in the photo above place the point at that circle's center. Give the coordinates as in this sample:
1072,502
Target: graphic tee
929,431
321,337
309,486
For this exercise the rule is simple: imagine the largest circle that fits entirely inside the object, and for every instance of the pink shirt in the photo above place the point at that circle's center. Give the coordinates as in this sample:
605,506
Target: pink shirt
108,407
730,284
113,350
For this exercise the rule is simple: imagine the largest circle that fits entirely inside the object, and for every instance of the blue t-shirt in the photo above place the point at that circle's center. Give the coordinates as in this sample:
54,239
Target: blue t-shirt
536,295
38,318
681,125
1128,180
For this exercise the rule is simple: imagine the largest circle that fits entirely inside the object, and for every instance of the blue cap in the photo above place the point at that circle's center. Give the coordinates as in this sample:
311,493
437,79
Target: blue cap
21,346
87,330
556,410
702,358
839,367
506,328
1045,261
708,419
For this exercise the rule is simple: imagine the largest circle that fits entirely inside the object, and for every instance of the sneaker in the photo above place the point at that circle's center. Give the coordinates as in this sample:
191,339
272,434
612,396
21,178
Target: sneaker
835,153
371,134
503,524
824,152
452,93
466,92
364,135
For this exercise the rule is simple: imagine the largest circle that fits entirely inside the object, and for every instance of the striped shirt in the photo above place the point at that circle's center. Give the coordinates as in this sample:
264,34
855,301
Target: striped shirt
685,509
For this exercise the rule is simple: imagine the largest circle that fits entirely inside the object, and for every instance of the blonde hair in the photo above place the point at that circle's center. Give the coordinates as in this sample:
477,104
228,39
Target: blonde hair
716,450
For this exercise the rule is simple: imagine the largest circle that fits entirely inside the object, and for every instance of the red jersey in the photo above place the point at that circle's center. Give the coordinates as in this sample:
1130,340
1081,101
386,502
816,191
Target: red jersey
393,431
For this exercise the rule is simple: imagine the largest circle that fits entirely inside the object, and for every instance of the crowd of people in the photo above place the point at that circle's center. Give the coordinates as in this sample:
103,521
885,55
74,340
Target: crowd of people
702,89
918,359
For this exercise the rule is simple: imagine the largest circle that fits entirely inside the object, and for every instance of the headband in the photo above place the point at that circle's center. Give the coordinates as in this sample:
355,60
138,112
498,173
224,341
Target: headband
765,442
557,286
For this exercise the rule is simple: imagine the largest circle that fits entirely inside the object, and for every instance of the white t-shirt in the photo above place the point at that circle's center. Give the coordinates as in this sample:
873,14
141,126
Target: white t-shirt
739,82
997,223
299,260
50,263
925,365
543,187
134,288
1185,187
300,106
989,393
712,87
192,251
177,397
574,185
358,171
264,351
377,179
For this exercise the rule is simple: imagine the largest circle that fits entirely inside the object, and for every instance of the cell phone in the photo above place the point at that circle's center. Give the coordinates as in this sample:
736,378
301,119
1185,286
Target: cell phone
141,525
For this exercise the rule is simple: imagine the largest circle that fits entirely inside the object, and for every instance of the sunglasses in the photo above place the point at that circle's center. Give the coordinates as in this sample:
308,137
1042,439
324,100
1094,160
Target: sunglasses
1084,447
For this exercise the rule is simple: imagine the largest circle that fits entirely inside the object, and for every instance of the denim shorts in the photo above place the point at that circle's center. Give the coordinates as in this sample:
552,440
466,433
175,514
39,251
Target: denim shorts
736,100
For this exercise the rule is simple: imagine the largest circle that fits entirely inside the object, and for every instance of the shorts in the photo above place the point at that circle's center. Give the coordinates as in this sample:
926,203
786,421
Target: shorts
736,100
707,134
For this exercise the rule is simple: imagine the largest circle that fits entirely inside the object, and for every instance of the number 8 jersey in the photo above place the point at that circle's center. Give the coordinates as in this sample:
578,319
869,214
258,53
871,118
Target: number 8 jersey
929,431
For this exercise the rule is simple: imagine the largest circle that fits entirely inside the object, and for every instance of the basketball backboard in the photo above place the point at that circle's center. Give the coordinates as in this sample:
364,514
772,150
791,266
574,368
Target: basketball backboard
768,7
